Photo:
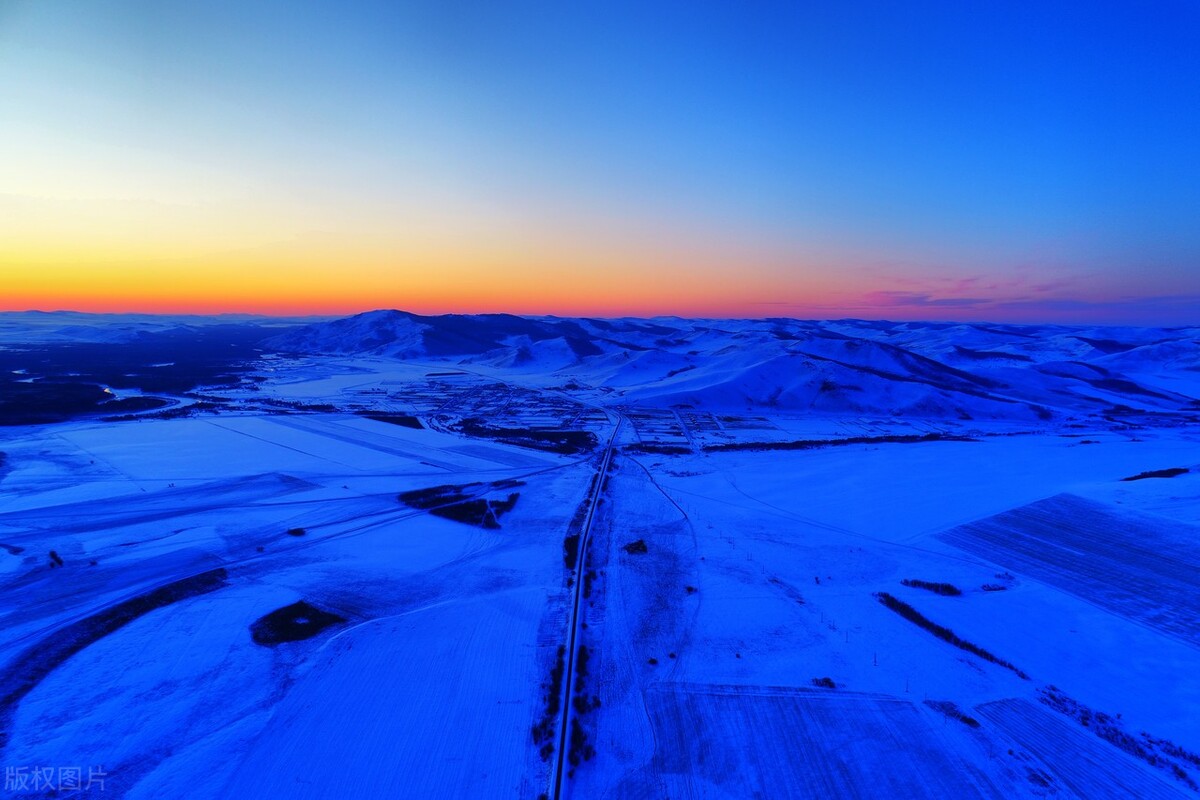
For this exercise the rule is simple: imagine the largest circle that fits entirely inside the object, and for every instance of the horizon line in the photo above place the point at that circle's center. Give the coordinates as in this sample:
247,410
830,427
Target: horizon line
327,317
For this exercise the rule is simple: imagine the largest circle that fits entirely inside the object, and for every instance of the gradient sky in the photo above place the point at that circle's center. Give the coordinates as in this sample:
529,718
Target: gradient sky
957,160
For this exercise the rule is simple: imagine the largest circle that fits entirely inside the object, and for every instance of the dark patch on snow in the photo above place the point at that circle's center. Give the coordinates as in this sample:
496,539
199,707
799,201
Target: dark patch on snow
1161,753
565,442
1125,387
460,503
1158,473
582,346
653,448
1007,330
942,632
990,355
1107,346
919,369
480,512
812,444
294,623
947,589
571,550
403,420
952,711
435,496
543,730
579,749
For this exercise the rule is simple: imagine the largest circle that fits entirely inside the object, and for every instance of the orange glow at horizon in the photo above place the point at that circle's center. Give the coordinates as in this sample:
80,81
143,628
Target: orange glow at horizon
268,253
277,159
324,283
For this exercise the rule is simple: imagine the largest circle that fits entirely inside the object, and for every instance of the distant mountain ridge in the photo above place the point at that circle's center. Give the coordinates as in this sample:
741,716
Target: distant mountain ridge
403,334
74,327
839,366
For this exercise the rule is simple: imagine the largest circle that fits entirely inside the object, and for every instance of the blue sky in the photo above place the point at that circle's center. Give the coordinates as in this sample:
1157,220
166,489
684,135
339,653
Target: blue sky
992,161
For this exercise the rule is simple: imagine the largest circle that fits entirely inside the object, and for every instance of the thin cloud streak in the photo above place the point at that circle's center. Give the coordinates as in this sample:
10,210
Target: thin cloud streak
1168,311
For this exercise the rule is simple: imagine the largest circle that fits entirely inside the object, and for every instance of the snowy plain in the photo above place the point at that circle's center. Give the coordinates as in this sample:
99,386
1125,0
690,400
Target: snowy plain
736,591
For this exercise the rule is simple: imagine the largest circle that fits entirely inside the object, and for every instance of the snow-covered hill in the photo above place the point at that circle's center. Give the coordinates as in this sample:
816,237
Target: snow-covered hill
963,371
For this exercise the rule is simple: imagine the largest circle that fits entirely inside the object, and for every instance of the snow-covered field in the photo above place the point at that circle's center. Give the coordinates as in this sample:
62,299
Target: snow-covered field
753,578
260,592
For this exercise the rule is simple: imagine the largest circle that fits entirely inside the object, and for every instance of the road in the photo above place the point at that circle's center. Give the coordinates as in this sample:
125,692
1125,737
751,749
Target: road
585,535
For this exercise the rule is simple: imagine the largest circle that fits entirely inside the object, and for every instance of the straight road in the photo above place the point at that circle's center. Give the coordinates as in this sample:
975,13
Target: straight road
585,535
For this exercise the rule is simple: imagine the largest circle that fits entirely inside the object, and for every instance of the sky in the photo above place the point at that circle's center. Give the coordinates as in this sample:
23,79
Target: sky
1020,162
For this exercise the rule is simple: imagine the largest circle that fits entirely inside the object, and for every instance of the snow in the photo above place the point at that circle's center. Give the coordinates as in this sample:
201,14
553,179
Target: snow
837,744
760,573
454,675
750,537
